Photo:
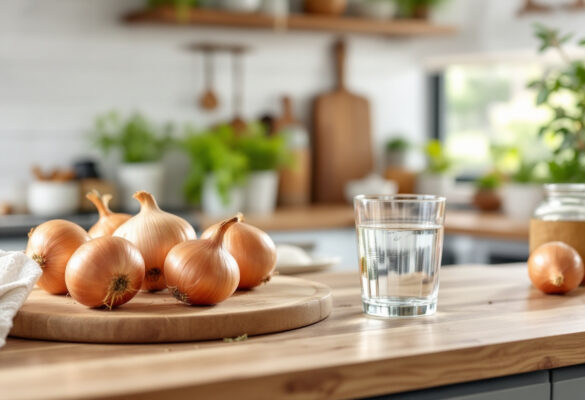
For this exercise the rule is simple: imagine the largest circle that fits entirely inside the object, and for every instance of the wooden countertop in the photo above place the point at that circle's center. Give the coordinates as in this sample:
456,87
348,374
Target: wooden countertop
337,216
490,323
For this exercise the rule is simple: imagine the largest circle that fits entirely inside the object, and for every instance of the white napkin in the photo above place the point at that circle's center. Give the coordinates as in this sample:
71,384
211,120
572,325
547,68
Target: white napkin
18,275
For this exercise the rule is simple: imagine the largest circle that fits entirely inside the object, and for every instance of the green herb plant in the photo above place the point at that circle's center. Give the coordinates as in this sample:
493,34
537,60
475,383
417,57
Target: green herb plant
408,8
230,157
212,152
567,124
437,161
490,181
138,139
397,144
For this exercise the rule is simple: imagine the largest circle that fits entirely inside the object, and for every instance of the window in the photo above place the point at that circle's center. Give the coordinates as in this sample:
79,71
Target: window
485,109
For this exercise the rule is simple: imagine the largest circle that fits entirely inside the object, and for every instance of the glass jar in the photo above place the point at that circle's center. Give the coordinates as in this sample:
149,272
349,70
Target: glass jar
560,217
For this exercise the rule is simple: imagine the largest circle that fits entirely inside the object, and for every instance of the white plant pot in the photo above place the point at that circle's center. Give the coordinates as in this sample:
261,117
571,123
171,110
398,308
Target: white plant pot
261,192
375,9
240,6
435,184
519,200
212,203
133,177
50,199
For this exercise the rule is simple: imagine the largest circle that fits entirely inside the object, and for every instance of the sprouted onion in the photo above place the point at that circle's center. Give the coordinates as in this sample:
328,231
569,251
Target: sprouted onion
105,272
253,250
108,221
202,272
154,232
51,245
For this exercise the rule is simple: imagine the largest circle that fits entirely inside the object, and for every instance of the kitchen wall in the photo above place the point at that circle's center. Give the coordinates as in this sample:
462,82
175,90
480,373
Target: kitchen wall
64,61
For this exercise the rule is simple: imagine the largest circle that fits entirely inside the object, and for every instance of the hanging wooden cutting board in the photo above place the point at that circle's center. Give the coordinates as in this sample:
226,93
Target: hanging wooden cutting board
341,137
282,304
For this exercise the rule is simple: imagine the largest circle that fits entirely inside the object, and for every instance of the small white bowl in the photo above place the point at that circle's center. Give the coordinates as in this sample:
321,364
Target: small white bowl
50,199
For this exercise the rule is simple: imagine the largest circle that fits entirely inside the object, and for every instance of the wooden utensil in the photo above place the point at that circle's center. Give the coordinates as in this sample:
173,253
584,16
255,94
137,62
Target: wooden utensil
208,100
285,303
238,90
342,143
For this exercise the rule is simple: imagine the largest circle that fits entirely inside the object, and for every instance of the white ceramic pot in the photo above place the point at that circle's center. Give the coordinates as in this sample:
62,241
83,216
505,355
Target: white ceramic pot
375,9
133,177
212,203
275,8
240,6
371,185
50,199
435,184
519,200
261,192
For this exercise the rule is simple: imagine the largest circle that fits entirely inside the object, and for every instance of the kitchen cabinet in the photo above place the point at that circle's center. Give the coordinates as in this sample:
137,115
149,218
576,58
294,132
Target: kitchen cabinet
531,386
568,383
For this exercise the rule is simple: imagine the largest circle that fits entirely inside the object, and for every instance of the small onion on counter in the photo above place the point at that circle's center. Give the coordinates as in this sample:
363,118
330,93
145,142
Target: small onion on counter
253,250
108,221
202,272
105,272
154,232
51,245
555,267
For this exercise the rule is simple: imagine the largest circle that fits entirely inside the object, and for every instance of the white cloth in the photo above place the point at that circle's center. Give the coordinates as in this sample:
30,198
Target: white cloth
18,275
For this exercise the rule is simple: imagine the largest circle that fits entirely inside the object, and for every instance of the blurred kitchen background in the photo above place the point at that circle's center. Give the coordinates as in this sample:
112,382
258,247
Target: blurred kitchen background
209,104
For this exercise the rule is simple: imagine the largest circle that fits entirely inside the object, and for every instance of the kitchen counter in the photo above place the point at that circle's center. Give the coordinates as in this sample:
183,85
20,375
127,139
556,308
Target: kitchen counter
490,323
336,216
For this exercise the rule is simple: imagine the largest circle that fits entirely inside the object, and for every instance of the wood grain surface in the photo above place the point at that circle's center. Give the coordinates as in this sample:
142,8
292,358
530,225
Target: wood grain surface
302,22
341,137
490,322
338,216
282,304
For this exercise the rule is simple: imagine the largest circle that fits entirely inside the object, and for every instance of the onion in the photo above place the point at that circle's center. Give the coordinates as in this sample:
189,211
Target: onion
555,267
105,272
108,221
154,232
51,244
202,272
253,250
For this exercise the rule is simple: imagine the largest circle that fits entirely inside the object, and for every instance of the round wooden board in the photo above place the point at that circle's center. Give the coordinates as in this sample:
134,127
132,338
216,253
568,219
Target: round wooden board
284,303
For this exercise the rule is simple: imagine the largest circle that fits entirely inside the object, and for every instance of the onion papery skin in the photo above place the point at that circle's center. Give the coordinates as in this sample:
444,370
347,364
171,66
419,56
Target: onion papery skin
253,250
555,268
51,245
108,221
201,272
105,272
154,232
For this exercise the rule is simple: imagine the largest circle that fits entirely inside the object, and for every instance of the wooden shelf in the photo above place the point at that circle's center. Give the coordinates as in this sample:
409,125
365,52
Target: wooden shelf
297,22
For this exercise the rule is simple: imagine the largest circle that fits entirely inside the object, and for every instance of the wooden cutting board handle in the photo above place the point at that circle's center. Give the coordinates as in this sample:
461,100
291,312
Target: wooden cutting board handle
339,53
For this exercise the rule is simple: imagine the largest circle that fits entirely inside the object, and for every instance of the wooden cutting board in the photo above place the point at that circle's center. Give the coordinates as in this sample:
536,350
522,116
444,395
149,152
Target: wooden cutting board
341,137
282,304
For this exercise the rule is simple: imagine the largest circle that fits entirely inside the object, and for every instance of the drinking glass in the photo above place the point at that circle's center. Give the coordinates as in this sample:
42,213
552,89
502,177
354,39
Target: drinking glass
400,241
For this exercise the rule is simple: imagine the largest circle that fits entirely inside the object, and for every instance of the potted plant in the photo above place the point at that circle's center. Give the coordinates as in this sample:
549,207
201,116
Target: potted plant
523,192
266,155
566,126
218,171
396,152
417,9
486,196
141,145
436,178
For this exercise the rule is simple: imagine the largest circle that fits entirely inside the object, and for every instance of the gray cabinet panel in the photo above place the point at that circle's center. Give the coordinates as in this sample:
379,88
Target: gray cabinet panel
531,386
568,383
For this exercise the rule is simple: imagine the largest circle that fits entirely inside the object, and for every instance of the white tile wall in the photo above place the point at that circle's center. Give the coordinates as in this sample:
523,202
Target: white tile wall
64,61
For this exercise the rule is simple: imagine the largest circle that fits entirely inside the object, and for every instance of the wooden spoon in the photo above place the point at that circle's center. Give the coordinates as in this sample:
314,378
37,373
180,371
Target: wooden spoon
208,100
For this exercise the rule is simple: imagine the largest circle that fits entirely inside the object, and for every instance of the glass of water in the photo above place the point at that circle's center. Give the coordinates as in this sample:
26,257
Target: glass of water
400,241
